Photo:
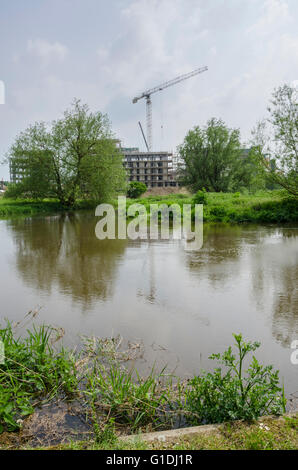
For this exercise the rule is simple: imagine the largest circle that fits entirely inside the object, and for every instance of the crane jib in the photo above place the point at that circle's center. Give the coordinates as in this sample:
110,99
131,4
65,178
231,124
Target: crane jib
147,94
178,79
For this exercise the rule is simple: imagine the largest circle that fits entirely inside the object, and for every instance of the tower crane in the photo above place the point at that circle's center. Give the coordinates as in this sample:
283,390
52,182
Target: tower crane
147,94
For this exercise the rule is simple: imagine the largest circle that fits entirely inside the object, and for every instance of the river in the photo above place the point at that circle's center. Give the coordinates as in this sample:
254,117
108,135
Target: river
181,305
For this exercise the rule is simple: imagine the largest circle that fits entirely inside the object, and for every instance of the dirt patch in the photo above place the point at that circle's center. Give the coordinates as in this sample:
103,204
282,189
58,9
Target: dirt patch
52,424
166,191
55,424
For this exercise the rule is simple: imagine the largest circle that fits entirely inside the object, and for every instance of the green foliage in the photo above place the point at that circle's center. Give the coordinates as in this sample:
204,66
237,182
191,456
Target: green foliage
107,435
75,157
234,394
113,396
28,207
262,206
136,189
212,159
275,140
200,197
134,402
31,370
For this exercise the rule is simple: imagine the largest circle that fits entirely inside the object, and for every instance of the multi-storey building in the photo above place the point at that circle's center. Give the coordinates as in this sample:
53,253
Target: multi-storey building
17,170
155,169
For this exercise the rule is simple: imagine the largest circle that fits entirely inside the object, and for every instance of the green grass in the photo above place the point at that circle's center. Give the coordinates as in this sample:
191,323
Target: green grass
134,402
265,434
35,372
261,207
10,208
32,371
114,398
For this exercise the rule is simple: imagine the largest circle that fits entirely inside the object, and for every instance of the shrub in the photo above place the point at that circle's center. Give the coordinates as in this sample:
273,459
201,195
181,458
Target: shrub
221,396
200,197
136,189
218,212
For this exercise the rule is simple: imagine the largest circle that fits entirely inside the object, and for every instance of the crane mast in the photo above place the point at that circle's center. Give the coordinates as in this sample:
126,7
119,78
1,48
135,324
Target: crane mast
147,94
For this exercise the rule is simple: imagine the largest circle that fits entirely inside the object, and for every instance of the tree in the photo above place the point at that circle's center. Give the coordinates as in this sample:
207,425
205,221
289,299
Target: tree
212,159
74,157
275,139
136,189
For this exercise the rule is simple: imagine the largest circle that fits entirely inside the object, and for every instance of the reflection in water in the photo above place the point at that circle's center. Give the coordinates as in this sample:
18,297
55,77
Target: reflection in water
271,266
64,251
244,279
222,246
275,269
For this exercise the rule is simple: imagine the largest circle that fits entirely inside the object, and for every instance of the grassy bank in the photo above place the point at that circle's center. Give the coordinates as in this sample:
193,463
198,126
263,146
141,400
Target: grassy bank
111,396
10,208
262,207
265,434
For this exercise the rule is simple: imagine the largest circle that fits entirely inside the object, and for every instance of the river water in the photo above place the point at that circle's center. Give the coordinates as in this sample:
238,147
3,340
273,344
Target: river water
181,305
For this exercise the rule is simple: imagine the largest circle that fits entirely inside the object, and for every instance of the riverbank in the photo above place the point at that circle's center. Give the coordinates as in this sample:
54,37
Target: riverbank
267,433
47,391
11,208
262,207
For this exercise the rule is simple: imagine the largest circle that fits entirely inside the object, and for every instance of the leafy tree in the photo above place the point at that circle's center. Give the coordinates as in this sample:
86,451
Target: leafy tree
275,140
136,189
74,157
212,159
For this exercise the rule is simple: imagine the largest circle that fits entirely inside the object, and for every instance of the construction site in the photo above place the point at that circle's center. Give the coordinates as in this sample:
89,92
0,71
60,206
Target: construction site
156,169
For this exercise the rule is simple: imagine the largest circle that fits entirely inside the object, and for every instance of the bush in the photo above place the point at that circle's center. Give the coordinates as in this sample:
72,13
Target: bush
14,191
217,397
218,211
136,189
200,197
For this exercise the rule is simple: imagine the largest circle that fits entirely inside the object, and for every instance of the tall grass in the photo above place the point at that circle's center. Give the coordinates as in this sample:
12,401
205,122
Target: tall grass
134,402
34,372
10,208
261,207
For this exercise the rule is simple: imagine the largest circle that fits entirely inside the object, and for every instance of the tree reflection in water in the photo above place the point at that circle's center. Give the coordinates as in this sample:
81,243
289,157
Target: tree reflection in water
63,251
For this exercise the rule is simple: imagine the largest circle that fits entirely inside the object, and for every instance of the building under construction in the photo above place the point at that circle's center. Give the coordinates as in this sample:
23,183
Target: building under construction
154,169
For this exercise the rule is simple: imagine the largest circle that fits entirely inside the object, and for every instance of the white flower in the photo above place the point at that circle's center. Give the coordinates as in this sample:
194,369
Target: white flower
263,427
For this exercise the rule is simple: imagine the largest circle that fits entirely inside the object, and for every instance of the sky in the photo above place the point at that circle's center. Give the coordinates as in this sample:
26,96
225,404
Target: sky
105,52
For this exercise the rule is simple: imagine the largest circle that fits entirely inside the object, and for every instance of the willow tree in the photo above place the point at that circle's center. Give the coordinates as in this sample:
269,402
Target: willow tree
73,157
275,139
212,159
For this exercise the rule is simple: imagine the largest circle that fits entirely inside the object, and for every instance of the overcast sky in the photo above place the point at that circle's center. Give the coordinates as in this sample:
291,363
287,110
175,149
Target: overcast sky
107,51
